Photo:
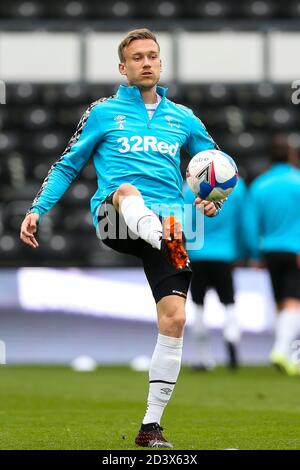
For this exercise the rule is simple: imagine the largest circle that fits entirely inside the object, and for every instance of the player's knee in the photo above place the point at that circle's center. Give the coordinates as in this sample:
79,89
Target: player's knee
179,321
127,189
175,318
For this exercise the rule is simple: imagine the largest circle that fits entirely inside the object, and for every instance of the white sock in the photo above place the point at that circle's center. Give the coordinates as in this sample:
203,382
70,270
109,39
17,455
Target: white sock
163,373
201,338
141,220
287,328
231,331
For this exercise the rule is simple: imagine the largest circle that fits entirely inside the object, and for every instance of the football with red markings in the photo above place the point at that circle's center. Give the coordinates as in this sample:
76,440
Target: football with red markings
212,175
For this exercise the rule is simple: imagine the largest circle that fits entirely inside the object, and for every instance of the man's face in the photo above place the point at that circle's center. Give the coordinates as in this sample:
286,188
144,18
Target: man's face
142,64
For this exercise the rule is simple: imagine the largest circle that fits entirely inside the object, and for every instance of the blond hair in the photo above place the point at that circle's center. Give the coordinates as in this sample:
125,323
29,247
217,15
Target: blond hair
142,33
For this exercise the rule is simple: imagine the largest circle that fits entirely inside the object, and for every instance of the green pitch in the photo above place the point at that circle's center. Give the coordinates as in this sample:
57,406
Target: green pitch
56,408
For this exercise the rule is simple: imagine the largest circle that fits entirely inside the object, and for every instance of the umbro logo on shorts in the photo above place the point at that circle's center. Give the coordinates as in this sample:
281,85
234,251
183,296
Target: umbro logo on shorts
136,143
178,292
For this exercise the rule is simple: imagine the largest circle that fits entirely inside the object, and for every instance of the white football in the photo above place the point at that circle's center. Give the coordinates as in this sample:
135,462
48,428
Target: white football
212,175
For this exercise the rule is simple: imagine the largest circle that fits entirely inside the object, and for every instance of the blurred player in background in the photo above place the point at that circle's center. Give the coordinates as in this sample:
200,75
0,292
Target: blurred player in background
135,139
212,267
273,233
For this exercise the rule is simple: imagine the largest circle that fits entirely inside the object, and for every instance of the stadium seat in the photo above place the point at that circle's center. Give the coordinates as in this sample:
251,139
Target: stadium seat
259,9
49,143
244,144
281,118
80,194
217,94
293,9
39,168
38,118
23,93
73,93
115,9
256,118
57,247
262,93
266,93
27,9
68,9
159,9
77,220
13,214
209,9
10,248
8,142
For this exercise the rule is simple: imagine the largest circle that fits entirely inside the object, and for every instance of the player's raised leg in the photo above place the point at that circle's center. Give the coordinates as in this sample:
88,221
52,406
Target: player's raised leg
164,369
172,244
141,220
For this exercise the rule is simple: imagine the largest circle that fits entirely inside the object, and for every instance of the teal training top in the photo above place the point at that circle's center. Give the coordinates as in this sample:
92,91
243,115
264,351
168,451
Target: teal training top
128,147
273,211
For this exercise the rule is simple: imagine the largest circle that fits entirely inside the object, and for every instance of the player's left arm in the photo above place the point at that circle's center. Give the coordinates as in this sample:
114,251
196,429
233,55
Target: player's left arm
198,140
61,174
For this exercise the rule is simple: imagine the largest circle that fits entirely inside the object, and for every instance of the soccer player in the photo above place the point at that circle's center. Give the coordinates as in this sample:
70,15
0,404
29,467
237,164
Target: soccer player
223,245
273,232
135,139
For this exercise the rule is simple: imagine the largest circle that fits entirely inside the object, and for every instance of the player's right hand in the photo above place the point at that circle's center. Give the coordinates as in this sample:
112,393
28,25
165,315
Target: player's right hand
28,229
207,207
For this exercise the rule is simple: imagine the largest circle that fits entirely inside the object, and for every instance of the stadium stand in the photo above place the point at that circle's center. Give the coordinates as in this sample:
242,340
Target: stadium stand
209,9
39,119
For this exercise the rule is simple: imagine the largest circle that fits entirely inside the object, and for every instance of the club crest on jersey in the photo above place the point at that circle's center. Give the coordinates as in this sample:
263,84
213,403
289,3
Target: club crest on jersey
171,122
120,121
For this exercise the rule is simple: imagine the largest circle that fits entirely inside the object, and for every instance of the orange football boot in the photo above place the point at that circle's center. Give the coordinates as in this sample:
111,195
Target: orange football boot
172,243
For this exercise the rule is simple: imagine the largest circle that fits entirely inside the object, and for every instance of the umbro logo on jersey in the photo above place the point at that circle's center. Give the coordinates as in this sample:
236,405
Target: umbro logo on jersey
171,122
120,121
136,143
166,391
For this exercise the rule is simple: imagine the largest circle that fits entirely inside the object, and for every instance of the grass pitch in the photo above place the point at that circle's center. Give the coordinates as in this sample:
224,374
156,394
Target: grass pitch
56,408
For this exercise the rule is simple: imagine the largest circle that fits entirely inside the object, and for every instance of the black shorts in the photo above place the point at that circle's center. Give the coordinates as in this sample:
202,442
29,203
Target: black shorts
216,274
163,278
285,275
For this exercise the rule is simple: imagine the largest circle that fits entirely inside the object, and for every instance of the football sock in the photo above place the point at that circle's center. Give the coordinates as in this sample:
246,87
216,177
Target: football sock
163,373
287,328
141,220
201,338
231,331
